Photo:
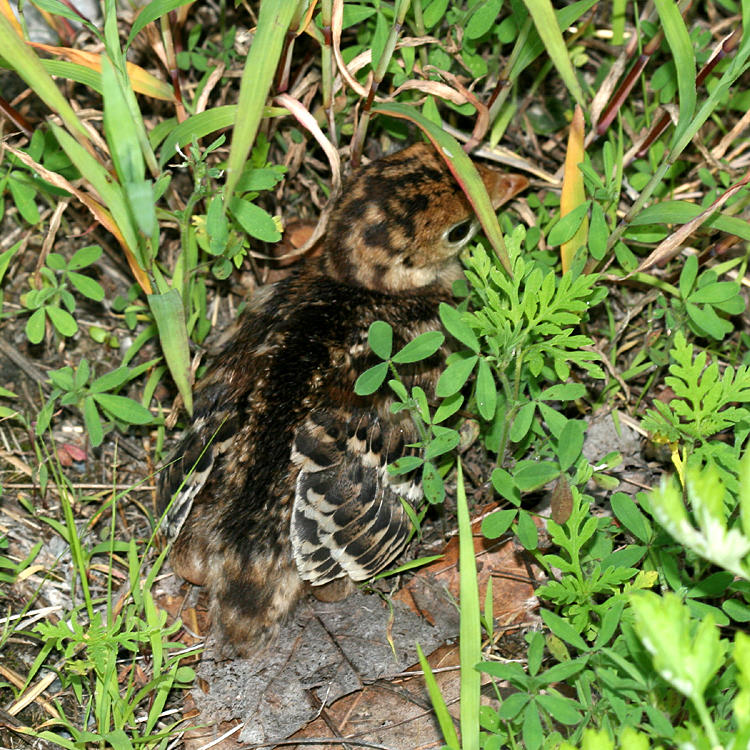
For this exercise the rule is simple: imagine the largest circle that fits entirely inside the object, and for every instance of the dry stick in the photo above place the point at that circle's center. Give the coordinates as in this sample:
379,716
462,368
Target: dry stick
611,110
376,80
726,47
326,52
16,118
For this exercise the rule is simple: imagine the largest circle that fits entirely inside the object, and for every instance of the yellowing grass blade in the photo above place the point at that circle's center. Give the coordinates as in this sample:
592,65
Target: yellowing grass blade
101,214
30,68
6,11
573,194
142,81
463,170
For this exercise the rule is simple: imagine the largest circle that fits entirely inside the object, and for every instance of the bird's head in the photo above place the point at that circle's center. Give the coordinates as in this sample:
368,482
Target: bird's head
402,221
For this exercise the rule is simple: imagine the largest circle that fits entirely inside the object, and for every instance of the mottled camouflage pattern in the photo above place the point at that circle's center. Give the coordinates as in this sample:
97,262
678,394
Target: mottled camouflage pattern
282,475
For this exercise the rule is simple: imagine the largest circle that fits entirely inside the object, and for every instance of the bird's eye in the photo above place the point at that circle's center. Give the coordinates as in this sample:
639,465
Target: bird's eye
459,234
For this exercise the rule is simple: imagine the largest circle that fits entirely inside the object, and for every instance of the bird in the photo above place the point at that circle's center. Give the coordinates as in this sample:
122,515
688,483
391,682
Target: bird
280,481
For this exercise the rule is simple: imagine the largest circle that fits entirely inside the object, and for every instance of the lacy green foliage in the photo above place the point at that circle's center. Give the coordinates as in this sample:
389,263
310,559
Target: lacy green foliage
525,330
641,669
594,573
706,402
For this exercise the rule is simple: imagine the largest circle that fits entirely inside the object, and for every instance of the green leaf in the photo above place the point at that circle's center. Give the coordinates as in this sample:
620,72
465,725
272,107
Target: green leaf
422,347
522,422
497,523
87,286
527,532
630,516
24,196
254,220
380,338
405,464
454,377
432,484
486,393
563,392
111,380
93,422
7,256
444,442
560,708
63,321
598,232
563,629
688,275
532,475
124,408
457,327
570,443
482,19
83,257
505,486
713,294
35,326
370,380
568,225
448,407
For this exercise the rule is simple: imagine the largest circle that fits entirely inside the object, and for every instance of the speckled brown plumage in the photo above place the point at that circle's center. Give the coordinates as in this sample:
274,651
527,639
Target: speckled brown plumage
281,477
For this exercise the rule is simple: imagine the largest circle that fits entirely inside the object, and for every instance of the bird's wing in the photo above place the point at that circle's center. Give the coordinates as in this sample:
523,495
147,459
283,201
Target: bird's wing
189,468
348,518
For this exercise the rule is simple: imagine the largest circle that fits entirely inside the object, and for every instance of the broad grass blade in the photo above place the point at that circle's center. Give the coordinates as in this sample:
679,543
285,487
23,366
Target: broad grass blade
273,21
573,193
470,643
169,315
679,42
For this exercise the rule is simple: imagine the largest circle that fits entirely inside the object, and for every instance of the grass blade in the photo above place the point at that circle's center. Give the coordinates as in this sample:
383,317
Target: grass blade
549,32
470,643
169,315
273,21
679,42
445,720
